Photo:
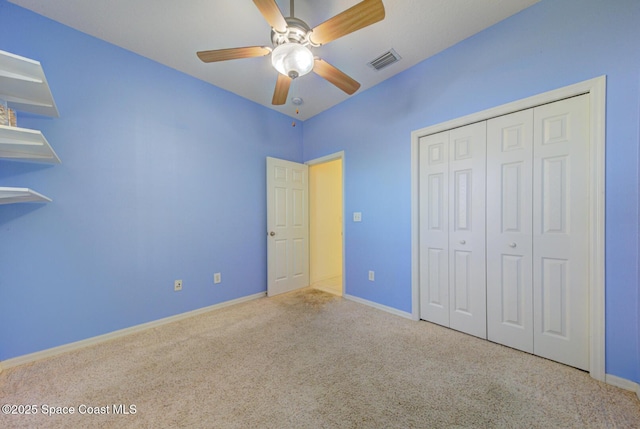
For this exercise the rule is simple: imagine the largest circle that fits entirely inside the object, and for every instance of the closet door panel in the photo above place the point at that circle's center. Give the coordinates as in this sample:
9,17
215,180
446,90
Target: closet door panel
560,232
434,228
509,229
467,262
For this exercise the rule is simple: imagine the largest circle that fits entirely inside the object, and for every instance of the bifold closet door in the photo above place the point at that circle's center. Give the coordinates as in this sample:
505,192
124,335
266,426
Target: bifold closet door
561,231
467,261
452,229
434,228
509,230
537,231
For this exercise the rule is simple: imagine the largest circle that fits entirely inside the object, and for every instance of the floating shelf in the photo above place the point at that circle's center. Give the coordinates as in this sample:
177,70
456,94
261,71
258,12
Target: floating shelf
21,195
22,144
24,86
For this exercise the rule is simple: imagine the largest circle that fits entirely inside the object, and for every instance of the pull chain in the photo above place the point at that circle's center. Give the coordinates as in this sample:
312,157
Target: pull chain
295,99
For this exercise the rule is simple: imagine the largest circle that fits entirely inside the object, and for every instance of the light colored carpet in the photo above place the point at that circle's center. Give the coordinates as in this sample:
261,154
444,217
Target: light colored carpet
311,360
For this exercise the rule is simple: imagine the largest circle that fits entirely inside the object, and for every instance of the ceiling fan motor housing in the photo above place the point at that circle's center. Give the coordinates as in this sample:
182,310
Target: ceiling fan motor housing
297,32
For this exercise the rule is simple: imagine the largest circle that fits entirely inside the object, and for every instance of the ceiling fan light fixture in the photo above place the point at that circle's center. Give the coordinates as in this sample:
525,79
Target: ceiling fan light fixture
292,59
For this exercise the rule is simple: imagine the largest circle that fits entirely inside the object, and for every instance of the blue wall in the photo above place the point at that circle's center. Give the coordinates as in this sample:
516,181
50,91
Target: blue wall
163,175
162,178
548,46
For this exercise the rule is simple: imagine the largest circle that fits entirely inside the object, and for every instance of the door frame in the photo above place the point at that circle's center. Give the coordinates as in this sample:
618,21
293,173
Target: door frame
324,159
596,89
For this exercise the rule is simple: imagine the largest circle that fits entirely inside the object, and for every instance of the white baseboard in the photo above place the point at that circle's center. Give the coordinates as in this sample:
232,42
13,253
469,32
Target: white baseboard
380,306
623,383
32,357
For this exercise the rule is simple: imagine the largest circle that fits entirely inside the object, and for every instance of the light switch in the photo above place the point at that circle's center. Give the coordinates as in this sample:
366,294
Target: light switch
357,216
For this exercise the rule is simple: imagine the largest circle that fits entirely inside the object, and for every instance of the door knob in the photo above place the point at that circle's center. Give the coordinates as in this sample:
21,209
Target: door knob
512,245
272,233
463,242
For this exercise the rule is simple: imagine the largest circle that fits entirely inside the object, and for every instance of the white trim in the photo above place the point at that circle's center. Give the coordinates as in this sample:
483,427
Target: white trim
415,225
597,120
328,158
32,357
596,88
623,383
391,310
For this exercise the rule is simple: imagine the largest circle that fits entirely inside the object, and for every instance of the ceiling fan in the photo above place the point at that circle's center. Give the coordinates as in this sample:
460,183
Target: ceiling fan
293,39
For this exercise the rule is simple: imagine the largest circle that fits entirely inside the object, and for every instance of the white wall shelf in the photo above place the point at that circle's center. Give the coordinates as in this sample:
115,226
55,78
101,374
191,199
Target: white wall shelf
22,144
24,86
21,195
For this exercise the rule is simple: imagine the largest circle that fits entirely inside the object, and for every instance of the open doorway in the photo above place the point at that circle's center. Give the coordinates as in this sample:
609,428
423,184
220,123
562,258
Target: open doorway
326,224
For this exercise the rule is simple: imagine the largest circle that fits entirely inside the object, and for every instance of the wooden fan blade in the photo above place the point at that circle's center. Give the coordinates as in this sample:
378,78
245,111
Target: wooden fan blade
282,90
271,12
365,13
233,53
335,76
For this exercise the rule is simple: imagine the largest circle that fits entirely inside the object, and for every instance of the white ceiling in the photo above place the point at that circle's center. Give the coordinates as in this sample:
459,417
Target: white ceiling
171,32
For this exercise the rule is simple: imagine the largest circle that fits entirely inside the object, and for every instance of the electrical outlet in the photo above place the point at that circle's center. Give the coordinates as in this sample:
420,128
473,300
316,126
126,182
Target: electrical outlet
217,278
177,285
357,216
372,276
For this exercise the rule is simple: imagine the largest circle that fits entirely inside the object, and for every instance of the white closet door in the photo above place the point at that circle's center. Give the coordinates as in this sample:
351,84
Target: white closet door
509,230
434,228
467,288
560,232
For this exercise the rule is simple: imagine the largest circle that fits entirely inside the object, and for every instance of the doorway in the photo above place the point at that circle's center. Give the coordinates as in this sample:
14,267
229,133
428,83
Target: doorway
326,224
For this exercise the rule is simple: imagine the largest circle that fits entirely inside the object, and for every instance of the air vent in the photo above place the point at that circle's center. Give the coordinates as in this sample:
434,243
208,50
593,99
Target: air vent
385,60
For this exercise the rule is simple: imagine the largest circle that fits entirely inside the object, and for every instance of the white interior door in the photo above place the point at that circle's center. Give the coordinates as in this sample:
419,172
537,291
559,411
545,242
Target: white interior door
560,231
434,228
509,230
467,285
287,226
